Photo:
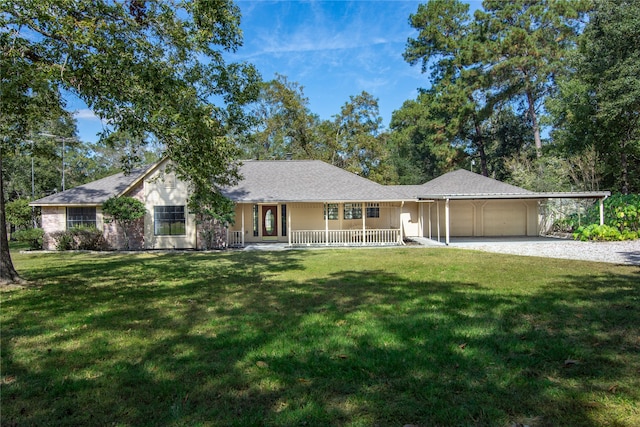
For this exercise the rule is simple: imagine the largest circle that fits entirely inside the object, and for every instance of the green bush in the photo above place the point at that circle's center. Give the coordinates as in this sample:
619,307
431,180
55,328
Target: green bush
621,213
79,238
33,236
63,240
597,232
88,238
567,224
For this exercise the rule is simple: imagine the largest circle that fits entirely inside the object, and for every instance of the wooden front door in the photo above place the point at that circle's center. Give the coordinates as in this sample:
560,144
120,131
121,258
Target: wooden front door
270,221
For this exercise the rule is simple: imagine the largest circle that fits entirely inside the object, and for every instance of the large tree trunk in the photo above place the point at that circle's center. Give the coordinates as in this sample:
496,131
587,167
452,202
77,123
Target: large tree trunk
534,123
8,273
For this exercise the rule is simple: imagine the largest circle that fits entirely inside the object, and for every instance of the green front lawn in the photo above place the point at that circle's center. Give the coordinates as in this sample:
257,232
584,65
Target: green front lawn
355,337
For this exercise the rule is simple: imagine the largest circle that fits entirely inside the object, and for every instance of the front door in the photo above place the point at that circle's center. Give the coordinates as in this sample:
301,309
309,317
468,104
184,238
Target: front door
269,221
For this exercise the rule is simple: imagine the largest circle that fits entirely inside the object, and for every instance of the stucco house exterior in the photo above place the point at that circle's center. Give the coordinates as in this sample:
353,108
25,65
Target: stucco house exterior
304,203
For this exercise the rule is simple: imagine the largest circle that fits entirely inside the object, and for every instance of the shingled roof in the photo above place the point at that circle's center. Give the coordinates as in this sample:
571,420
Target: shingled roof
304,181
313,181
462,182
94,193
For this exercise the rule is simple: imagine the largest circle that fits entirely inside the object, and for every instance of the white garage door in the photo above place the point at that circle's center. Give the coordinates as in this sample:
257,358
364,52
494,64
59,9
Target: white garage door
504,218
462,218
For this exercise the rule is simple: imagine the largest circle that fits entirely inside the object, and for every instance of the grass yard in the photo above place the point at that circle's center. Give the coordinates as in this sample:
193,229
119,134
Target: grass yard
353,337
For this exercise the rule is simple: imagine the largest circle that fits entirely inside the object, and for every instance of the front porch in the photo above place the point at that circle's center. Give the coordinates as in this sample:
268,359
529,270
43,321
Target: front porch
303,238
317,224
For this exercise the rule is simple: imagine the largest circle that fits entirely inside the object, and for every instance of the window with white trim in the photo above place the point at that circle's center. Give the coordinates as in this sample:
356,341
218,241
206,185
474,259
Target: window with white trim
169,221
81,217
373,210
352,211
332,209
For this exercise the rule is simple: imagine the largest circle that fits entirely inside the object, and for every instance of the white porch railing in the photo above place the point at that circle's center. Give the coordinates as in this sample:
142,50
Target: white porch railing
234,239
346,237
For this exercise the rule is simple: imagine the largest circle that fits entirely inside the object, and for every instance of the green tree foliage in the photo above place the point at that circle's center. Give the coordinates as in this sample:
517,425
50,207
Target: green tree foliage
28,98
40,152
554,171
83,162
19,213
422,145
509,137
547,173
526,44
598,106
151,69
124,151
500,62
623,212
284,124
360,145
124,211
451,45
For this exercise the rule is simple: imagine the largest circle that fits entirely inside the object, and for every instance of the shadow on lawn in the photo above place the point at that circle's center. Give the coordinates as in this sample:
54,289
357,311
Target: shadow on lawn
221,340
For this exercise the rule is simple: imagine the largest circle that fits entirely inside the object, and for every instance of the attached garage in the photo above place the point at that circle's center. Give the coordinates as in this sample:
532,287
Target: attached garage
465,204
486,218
509,218
463,219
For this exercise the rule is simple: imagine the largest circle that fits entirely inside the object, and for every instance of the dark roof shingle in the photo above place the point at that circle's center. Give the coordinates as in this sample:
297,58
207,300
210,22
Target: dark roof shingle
463,182
303,181
95,192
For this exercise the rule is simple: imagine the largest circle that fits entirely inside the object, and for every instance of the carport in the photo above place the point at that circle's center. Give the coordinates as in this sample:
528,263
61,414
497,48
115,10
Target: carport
493,214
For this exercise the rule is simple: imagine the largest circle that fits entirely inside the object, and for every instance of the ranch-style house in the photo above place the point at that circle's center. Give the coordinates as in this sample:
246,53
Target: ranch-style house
305,203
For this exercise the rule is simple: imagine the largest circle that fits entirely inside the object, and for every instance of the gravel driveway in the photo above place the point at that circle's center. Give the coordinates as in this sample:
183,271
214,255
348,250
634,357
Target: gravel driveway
627,252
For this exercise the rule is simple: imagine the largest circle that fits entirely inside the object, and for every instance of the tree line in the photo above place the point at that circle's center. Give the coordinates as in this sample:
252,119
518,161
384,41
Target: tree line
541,94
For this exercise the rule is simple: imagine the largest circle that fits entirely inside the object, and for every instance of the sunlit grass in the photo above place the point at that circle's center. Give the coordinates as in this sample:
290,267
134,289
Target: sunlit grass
331,337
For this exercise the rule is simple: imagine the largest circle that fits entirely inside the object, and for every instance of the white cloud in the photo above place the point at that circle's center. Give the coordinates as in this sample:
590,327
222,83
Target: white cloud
372,85
85,114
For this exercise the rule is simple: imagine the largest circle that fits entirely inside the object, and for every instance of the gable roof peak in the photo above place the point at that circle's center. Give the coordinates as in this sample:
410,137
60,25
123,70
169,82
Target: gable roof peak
97,192
462,181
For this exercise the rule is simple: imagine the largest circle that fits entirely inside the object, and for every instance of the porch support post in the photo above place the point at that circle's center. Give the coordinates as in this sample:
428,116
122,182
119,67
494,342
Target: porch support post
430,236
421,216
446,220
602,211
438,218
401,207
364,223
326,224
242,207
289,224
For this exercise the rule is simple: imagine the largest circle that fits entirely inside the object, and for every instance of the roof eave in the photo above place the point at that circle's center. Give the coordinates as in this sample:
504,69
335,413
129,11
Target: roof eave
513,196
64,205
264,201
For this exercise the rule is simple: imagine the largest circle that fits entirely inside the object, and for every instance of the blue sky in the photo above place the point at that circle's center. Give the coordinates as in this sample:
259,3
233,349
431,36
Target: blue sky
334,49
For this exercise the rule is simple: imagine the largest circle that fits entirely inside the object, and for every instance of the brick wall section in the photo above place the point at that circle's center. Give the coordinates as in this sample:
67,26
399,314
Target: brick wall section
136,233
211,234
53,219
113,233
